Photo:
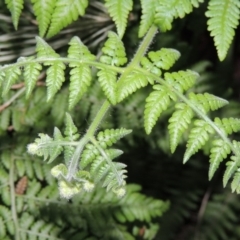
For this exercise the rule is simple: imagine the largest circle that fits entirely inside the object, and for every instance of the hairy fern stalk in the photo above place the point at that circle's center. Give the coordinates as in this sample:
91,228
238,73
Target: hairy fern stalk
87,160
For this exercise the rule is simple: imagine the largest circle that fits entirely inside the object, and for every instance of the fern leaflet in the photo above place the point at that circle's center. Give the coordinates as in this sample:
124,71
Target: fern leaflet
228,125
223,19
207,101
219,152
197,138
113,54
43,10
179,123
65,12
31,73
119,10
147,17
15,7
156,103
80,75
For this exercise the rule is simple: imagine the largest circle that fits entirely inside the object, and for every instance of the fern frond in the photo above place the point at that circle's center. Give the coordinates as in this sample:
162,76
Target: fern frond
179,123
99,166
88,155
232,167
219,152
235,185
31,74
55,78
223,19
71,133
43,11
131,83
15,7
167,10
181,80
228,125
108,137
80,80
197,138
108,82
147,17
113,53
119,10
79,51
156,103
44,50
11,76
57,136
164,58
65,13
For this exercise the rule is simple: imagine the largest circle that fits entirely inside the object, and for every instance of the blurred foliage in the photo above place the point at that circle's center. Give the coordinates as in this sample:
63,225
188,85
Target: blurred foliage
199,210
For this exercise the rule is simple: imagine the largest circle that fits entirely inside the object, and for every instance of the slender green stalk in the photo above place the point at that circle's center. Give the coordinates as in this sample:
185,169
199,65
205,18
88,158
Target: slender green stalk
106,105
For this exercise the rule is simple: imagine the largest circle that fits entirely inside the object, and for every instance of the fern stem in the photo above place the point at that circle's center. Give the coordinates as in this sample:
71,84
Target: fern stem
143,47
13,202
64,60
106,105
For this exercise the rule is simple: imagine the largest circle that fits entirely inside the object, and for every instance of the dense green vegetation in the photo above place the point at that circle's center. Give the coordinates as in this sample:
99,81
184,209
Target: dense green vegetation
119,119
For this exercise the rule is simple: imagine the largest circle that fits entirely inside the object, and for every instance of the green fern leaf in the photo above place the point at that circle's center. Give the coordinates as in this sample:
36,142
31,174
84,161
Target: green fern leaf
207,101
164,58
235,185
113,54
197,138
57,136
108,82
88,155
31,74
55,73
99,166
119,10
71,133
223,19
79,51
219,151
44,50
181,80
232,167
113,51
147,17
167,10
108,137
130,84
55,78
229,125
15,7
65,13
179,123
11,77
112,183
80,80
156,103
43,11
43,146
